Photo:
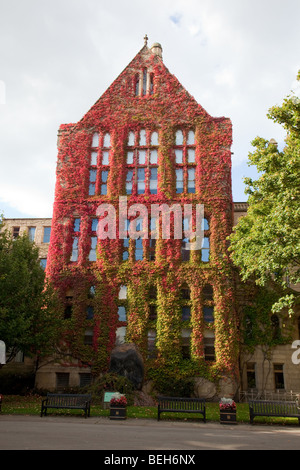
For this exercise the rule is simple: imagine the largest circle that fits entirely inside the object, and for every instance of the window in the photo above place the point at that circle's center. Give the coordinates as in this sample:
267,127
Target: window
139,252
43,263
76,236
62,380
142,162
251,375
151,337
122,313
275,327
208,303
31,233
89,312
186,343
88,336
278,376
185,161
99,163
93,246
123,293
16,232
120,335
209,348
85,379
144,83
185,242
205,250
47,233
185,313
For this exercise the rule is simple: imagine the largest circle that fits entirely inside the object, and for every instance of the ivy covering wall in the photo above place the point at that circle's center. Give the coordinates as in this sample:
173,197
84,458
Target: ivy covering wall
89,290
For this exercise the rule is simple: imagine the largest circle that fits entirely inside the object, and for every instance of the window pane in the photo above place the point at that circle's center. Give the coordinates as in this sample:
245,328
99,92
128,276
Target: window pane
153,157
153,180
142,137
130,139
179,181
104,176
130,158
154,138
47,232
191,156
94,225
43,262
90,313
105,158
76,227
141,181
205,224
191,180
106,142
142,157
205,255
122,313
185,313
94,158
95,141
191,138
179,138
120,335
92,189
138,249
93,175
31,233
123,292
92,254
103,189
178,156
74,255
208,314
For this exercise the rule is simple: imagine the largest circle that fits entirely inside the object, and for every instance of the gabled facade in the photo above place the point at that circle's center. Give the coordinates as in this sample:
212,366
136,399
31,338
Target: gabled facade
145,142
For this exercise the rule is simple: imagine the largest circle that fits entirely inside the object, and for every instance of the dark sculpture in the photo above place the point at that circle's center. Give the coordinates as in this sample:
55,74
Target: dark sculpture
127,361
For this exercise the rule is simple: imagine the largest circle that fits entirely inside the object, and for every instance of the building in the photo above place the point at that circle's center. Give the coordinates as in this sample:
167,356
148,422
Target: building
147,143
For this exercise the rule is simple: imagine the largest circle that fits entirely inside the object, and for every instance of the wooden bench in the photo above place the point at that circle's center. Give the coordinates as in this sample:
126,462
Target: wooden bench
67,401
181,405
283,409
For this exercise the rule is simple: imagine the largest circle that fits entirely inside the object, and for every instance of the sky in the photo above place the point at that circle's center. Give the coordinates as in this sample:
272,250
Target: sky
237,58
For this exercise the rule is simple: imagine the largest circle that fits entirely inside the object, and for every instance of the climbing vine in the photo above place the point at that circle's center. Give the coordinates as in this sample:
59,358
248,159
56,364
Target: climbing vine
118,112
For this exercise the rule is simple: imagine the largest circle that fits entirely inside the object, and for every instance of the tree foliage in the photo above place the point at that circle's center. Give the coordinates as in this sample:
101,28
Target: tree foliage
265,244
27,302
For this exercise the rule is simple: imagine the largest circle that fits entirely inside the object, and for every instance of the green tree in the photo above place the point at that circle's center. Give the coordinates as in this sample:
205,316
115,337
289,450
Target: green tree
266,242
28,320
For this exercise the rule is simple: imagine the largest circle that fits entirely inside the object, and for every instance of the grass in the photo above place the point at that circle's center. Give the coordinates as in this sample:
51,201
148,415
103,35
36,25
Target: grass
31,405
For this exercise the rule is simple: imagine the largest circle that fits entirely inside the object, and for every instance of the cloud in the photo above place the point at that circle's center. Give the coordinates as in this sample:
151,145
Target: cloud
237,58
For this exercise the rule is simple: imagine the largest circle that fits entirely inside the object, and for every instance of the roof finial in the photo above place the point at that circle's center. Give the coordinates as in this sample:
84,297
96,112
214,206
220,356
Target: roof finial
146,39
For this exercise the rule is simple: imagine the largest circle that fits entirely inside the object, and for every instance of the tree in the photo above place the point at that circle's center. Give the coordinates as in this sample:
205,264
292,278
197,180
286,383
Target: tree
28,321
266,242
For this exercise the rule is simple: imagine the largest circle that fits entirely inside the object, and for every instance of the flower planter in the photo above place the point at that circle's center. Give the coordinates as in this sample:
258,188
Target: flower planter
118,412
228,416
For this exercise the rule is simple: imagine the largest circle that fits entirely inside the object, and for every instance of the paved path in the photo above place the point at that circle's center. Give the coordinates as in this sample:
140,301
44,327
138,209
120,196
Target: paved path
77,433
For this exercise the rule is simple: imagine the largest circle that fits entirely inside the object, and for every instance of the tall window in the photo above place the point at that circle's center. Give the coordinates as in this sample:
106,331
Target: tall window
122,315
93,246
31,233
144,83
208,304
99,163
205,243
185,171
142,162
76,236
47,233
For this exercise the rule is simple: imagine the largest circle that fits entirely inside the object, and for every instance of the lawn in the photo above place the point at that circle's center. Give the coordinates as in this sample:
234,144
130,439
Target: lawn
31,405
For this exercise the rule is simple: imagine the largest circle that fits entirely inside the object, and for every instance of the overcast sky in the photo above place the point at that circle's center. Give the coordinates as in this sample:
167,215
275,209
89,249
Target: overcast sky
236,57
